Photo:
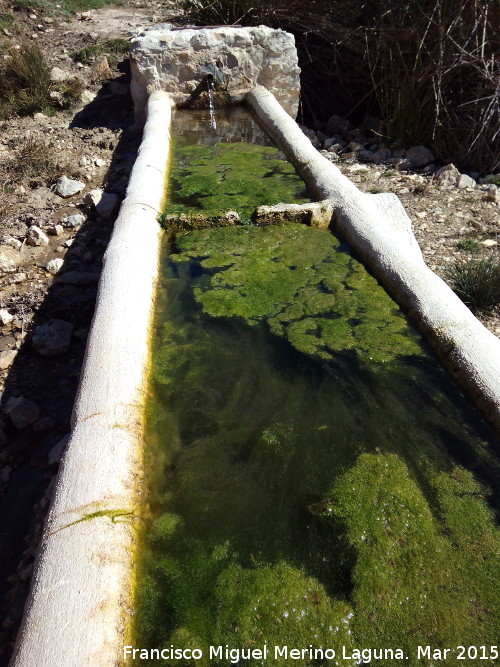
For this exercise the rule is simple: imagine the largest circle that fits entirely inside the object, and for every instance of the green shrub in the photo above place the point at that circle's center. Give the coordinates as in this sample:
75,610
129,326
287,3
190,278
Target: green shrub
469,245
26,82
477,282
70,92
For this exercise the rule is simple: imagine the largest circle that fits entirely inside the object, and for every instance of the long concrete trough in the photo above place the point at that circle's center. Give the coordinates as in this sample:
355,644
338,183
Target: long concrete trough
78,612
79,608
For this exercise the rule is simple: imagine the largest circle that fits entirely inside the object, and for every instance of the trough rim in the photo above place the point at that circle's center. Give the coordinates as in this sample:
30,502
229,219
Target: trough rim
77,612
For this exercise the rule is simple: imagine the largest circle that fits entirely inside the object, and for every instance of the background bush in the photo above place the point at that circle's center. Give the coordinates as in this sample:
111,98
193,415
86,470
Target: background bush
476,281
25,80
428,68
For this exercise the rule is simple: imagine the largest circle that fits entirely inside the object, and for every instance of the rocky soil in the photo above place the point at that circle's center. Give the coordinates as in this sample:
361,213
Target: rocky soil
52,243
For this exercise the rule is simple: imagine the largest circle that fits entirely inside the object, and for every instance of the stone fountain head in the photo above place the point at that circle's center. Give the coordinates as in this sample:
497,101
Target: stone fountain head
210,72
238,59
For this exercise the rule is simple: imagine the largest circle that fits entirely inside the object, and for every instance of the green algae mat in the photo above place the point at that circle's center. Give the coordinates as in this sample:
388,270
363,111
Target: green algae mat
214,176
320,492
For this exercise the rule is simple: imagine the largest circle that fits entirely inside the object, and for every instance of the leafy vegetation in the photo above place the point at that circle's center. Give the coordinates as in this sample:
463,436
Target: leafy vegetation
296,500
389,59
476,280
469,245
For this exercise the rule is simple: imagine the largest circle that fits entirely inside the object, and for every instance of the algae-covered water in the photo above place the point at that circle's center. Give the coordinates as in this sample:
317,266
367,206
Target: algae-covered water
238,173
318,486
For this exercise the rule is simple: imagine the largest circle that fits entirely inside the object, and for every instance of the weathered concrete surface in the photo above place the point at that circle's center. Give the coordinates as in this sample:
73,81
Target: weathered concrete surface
78,610
378,229
315,214
238,59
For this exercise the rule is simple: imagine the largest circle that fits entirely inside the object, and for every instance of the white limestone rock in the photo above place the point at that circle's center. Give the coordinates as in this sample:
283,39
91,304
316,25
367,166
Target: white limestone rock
105,203
10,259
58,75
315,214
87,97
16,243
178,61
5,317
466,182
447,176
6,358
55,265
75,220
36,237
493,193
67,187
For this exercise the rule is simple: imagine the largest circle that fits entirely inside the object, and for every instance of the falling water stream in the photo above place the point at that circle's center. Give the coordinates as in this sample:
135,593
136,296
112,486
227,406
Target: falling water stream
211,104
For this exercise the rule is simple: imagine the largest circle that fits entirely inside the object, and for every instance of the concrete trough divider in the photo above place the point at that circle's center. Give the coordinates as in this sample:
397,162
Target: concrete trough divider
78,611
379,230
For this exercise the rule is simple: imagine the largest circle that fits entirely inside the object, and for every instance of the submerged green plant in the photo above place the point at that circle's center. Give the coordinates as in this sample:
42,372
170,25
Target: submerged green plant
297,280
234,176
297,502
433,580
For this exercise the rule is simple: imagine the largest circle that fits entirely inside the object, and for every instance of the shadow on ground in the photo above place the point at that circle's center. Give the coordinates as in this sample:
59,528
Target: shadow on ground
52,382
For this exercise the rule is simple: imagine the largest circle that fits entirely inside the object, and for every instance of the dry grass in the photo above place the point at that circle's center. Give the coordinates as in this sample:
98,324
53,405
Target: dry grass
26,85
34,163
6,195
25,82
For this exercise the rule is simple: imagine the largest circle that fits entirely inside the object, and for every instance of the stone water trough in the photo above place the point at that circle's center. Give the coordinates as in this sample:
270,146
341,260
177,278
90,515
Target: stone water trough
79,608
